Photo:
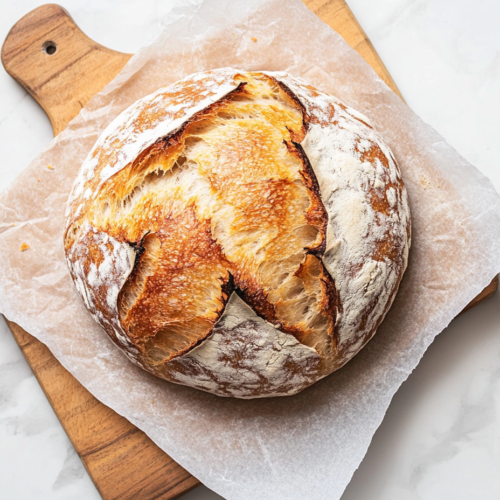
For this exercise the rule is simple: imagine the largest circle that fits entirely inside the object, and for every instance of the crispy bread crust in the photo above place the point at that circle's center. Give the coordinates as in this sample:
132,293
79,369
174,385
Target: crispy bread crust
242,233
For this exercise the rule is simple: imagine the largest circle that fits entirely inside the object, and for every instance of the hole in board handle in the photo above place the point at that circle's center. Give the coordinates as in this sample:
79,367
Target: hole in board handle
49,48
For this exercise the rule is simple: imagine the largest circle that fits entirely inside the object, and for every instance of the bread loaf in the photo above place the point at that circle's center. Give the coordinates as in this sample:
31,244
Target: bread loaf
241,233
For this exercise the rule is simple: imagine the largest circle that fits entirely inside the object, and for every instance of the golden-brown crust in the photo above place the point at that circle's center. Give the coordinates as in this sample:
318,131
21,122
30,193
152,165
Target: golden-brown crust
172,297
227,199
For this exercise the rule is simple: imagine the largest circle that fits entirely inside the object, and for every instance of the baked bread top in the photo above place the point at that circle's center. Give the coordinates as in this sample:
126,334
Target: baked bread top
242,233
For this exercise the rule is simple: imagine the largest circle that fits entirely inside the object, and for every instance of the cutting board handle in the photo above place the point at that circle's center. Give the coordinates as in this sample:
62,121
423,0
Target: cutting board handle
60,66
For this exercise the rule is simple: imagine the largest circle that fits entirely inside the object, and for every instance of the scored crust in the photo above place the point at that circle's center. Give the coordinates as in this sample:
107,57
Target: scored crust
242,233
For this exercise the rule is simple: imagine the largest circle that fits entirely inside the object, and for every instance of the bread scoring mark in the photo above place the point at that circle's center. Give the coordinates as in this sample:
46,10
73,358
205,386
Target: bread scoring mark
266,214
368,234
147,254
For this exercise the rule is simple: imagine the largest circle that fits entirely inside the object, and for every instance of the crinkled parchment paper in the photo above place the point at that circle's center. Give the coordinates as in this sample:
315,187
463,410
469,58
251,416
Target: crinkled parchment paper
305,446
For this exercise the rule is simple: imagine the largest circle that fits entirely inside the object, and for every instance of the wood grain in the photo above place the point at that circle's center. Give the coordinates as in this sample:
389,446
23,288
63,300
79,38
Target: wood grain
121,460
63,82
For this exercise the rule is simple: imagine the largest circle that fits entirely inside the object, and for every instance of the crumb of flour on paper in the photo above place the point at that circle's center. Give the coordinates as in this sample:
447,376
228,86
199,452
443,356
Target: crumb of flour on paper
50,167
24,247
12,225
152,401
254,39
425,183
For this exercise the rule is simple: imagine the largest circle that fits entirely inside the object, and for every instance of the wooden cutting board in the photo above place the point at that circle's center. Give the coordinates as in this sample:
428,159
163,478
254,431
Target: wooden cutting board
62,69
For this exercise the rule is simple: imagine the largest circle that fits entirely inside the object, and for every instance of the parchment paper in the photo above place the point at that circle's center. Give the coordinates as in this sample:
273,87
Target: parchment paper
305,446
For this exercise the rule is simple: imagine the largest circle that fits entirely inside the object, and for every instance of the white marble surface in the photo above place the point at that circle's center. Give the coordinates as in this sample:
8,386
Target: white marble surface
440,439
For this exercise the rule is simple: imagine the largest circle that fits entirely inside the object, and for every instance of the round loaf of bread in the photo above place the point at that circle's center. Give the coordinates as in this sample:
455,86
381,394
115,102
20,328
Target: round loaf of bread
239,232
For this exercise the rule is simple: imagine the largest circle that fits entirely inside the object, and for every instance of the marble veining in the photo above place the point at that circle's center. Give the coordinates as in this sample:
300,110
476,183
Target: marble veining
441,435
